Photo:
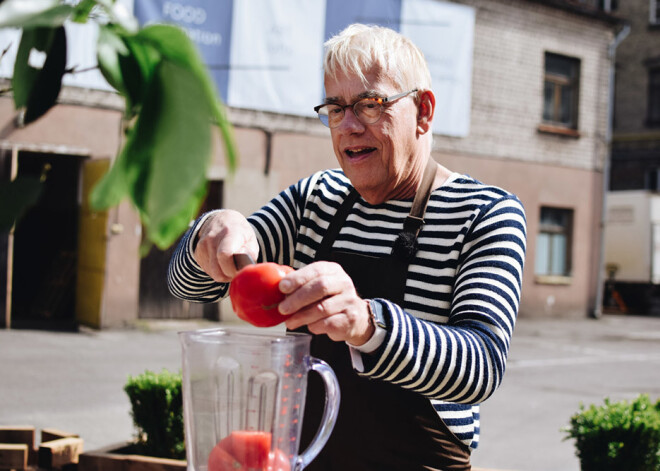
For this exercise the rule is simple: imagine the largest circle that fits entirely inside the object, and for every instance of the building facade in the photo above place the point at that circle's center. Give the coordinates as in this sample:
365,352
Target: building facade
633,223
538,126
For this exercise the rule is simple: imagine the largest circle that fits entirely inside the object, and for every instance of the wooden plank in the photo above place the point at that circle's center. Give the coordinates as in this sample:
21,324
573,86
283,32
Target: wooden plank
60,452
107,459
50,434
18,434
13,455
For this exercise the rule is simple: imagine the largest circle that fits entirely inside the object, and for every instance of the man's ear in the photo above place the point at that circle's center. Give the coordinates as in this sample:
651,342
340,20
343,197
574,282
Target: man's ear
425,110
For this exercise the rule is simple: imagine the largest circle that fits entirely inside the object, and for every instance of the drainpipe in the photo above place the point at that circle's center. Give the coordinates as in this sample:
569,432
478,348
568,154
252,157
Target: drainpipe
600,277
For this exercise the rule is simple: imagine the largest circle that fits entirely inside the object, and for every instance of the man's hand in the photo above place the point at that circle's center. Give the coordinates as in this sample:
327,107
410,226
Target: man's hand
222,235
322,297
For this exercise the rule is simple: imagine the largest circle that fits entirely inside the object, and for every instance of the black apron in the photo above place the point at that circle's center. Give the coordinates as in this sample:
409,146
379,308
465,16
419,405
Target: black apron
380,426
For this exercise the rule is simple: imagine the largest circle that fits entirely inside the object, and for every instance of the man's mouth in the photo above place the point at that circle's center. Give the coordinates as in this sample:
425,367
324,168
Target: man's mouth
359,151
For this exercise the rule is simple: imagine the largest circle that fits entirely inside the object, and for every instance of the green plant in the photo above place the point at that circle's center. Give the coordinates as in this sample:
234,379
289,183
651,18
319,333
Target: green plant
157,411
617,436
171,105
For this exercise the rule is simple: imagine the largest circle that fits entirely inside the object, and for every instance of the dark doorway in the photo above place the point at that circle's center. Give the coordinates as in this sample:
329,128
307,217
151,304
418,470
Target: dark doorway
5,176
45,245
156,302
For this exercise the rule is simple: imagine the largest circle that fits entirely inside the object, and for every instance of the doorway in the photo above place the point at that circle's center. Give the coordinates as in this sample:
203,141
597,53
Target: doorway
45,244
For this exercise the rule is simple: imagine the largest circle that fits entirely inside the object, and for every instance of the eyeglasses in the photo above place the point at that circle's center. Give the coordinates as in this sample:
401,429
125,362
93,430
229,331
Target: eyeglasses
366,110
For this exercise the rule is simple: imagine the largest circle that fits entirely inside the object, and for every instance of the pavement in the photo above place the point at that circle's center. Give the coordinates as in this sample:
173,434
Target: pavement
73,381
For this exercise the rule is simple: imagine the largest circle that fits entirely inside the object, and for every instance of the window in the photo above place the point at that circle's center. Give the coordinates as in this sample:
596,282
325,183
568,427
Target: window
653,113
553,244
654,12
608,5
651,179
561,90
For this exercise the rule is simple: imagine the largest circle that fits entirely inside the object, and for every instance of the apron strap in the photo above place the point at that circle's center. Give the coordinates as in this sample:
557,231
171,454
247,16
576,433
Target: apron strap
405,246
415,219
337,222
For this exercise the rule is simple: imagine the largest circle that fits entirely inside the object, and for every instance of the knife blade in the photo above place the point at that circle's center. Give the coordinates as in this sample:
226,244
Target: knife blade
242,260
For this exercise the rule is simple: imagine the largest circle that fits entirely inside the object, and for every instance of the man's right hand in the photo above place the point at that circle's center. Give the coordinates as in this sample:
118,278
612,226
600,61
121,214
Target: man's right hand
223,234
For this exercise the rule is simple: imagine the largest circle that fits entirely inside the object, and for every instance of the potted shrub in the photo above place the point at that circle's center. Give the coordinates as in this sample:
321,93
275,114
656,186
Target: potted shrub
617,436
157,412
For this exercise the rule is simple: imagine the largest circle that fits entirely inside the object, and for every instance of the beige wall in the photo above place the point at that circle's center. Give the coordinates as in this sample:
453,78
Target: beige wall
510,40
64,129
544,185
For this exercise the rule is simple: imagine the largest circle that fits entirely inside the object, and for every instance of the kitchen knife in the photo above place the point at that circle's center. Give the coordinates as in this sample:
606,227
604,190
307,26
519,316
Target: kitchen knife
242,260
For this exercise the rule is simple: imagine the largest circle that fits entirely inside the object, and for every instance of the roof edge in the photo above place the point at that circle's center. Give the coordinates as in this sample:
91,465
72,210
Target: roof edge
584,10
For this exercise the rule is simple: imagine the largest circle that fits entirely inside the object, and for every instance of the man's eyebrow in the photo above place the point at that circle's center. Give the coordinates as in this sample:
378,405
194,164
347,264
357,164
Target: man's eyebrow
370,94
331,100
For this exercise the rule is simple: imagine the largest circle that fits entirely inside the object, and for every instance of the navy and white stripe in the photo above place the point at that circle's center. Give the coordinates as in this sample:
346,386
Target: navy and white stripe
449,341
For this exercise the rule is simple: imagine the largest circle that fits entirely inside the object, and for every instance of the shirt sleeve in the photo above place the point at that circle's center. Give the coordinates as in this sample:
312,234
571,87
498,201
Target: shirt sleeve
275,226
185,278
462,361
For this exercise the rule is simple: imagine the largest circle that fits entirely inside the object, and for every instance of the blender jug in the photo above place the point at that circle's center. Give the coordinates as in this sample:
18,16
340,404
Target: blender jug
244,397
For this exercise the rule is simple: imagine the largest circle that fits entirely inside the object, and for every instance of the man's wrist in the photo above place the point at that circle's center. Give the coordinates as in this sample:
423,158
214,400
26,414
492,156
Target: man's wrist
198,227
376,331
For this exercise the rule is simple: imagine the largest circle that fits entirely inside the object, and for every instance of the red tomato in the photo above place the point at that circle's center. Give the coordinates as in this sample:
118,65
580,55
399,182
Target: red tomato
255,294
250,448
221,460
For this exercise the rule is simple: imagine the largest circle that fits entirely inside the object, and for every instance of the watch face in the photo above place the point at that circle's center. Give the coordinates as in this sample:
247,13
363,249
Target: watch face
377,313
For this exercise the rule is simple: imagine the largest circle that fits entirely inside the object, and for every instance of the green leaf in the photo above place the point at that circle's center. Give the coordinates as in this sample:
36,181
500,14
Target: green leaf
113,186
49,79
120,15
173,43
28,14
138,67
82,10
17,196
163,164
162,167
37,89
25,76
110,47
167,231
182,141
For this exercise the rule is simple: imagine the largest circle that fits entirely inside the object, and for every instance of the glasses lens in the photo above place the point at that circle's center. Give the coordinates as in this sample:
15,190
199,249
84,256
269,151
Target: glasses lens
331,115
368,110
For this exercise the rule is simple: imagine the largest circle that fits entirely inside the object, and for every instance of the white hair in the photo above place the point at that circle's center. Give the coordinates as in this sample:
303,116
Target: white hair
362,48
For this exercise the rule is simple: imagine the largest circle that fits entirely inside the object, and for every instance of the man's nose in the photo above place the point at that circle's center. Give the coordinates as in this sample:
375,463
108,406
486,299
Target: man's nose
350,123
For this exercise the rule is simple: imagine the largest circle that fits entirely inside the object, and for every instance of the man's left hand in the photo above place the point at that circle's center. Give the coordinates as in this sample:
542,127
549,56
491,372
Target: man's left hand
322,297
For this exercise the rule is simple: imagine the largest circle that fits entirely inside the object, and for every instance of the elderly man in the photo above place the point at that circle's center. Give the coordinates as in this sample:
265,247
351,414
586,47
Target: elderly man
408,275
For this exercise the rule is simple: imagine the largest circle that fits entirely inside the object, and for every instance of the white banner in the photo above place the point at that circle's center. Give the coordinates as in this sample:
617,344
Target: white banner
444,32
276,55
267,54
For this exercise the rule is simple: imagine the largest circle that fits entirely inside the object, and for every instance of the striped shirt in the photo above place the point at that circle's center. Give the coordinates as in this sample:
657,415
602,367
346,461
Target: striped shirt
450,338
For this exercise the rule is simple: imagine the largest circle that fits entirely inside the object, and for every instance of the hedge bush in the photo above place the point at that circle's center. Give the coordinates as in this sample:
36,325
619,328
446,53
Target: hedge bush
617,436
157,412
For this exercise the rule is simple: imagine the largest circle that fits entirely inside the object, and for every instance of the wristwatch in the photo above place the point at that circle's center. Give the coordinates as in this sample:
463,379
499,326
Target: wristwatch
376,314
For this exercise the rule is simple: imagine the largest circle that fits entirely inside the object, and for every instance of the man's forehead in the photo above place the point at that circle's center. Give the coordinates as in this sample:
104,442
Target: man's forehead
349,86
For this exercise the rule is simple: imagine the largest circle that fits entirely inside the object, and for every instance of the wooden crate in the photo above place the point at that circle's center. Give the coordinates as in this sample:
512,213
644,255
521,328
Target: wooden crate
114,458
18,450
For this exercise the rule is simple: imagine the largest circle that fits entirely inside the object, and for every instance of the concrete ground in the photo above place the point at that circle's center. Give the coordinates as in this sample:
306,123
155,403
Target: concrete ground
74,382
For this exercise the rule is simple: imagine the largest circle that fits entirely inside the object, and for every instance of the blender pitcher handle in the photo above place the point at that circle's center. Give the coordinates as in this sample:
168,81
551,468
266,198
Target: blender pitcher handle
330,411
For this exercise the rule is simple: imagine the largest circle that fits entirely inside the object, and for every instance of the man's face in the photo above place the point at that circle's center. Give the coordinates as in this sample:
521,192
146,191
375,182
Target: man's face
381,159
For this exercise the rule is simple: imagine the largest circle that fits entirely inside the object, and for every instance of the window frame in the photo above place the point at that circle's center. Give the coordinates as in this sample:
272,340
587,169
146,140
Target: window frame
653,96
654,12
555,125
567,231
